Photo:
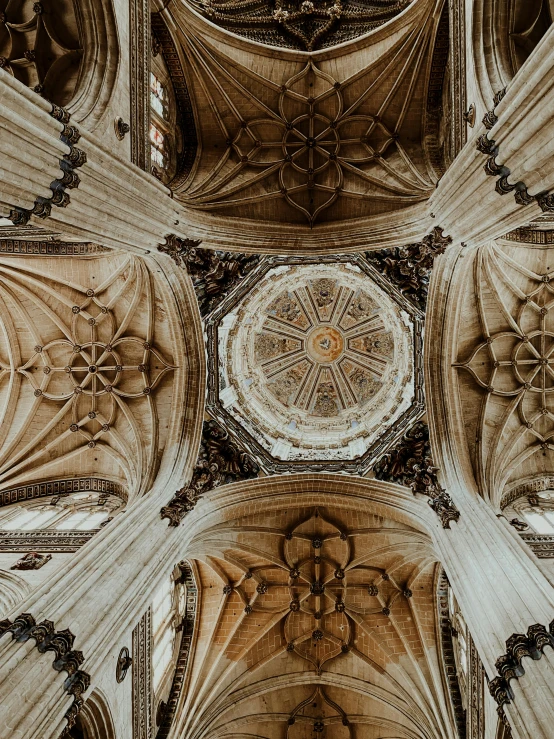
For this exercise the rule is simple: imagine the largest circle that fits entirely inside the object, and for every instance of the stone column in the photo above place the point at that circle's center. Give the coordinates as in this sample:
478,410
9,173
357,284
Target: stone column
104,590
466,203
49,169
502,592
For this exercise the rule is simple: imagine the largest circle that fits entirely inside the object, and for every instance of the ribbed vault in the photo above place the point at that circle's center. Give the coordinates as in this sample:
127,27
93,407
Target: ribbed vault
315,619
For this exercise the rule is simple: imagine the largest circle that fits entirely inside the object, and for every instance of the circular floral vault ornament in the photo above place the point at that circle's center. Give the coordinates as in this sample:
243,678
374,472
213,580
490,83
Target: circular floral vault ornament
316,362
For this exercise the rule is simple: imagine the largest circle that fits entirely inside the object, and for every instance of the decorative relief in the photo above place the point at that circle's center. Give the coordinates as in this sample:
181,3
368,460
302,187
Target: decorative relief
530,236
311,363
214,273
410,464
61,487
47,248
124,661
541,544
220,461
409,267
510,665
308,25
31,561
139,48
187,635
44,541
317,714
67,181
24,627
142,678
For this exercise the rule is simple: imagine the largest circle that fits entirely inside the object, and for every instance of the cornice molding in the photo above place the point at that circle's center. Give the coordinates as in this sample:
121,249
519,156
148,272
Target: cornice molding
49,248
62,487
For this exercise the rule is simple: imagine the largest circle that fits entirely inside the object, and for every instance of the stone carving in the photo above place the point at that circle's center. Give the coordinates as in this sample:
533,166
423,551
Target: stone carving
61,487
31,561
46,541
318,712
220,461
139,62
269,346
510,665
121,128
214,273
142,677
409,267
519,525
410,463
308,25
24,627
69,179
187,630
51,248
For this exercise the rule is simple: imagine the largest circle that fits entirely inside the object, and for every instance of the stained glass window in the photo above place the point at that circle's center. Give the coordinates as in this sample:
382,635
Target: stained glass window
157,146
158,97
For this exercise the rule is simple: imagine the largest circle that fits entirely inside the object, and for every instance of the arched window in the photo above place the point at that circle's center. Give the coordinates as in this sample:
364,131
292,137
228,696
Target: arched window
168,608
76,512
535,510
165,135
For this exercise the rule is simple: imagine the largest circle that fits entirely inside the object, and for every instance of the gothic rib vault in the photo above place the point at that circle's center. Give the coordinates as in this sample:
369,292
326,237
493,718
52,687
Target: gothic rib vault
265,330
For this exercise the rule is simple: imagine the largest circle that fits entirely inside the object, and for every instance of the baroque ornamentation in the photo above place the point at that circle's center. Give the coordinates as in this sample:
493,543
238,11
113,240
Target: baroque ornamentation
214,273
31,561
220,462
45,541
139,27
187,628
308,25
410,463
62,487
24,627
409,267
510,665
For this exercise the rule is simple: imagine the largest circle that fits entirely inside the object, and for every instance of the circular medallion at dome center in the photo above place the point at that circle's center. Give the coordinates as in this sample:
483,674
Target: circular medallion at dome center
325,344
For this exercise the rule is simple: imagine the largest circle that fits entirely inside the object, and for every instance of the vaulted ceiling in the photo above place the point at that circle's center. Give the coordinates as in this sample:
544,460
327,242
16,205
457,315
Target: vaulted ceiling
314,621
342,136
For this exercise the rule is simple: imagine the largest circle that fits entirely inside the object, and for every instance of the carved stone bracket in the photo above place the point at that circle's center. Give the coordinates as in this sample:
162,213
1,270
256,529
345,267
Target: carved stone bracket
409,267
75,158
492,168
510,666
214,273
220,461
410,463
24,627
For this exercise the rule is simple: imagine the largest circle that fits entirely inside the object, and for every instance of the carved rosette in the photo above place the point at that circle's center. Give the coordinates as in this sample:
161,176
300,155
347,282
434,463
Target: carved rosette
409,267
214,273
220,462
410,464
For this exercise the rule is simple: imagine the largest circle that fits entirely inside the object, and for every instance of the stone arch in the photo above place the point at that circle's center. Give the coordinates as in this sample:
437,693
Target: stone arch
13,589
95,719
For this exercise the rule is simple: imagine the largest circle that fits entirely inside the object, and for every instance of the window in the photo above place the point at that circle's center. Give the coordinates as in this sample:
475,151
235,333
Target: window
80,511
158,97
537,510
460,641
157,147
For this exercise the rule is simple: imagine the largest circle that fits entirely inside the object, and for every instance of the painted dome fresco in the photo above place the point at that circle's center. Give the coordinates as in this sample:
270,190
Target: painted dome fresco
315,362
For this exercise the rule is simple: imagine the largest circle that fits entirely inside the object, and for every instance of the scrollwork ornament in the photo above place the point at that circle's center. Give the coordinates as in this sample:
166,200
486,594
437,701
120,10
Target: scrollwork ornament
124,662
220,461
410,463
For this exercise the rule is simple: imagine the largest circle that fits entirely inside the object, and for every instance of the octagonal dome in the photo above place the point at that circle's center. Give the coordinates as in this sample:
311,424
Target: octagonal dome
316,363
